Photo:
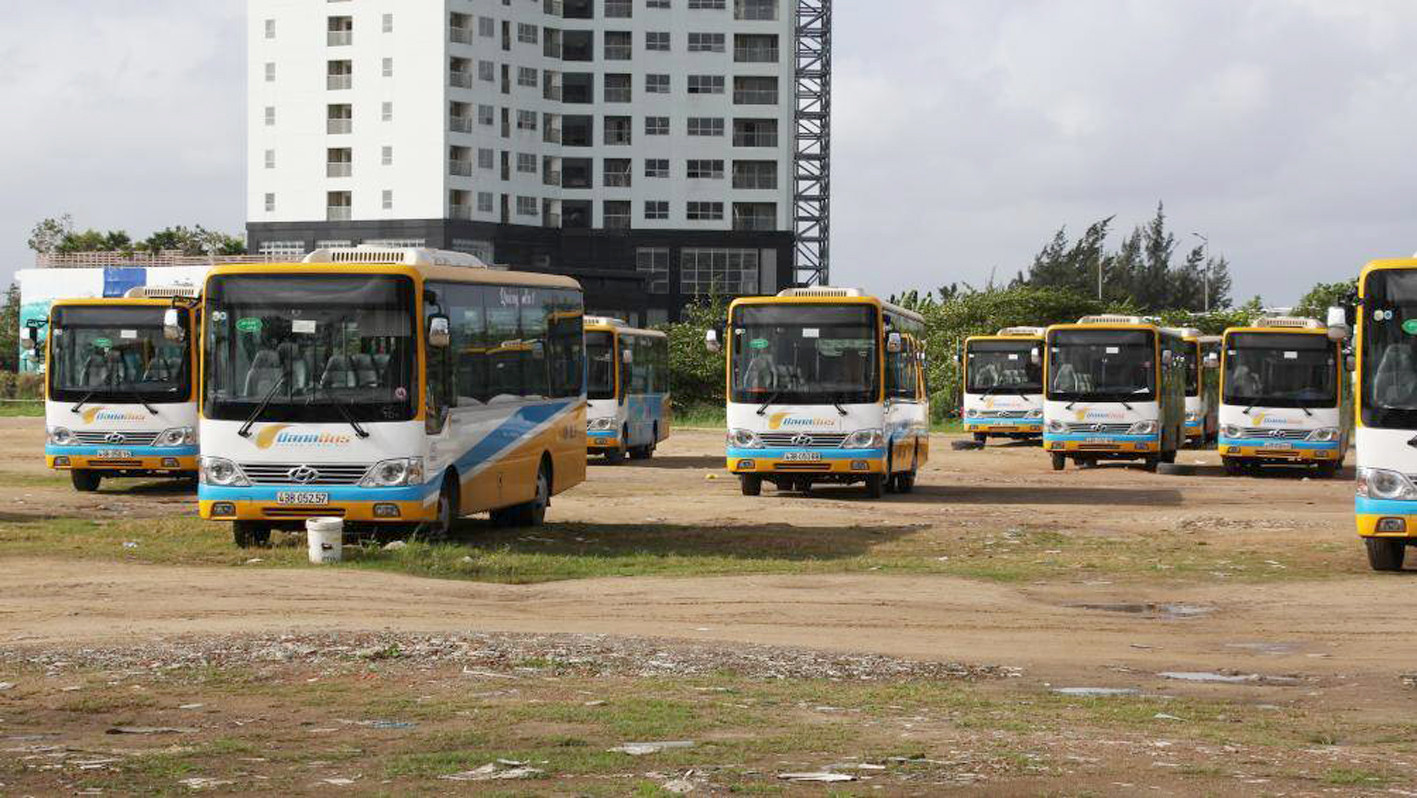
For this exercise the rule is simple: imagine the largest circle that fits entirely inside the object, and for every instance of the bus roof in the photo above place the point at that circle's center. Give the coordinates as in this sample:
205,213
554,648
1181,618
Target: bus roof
827,295
113,300
431,264
607,324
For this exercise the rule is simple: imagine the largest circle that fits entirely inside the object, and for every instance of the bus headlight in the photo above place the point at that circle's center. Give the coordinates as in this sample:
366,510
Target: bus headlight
1324,435
394,473
864,439
1034,413
1229,431
221,471
1057,426
1380,483
601,424
60,436
1147,427
177,436
971,413
744,439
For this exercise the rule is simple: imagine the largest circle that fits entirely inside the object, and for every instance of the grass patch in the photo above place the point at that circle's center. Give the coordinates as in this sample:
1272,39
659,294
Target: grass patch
21,409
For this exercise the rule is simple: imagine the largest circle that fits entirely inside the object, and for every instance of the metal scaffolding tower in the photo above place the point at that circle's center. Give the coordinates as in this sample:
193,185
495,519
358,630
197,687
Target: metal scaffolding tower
812,160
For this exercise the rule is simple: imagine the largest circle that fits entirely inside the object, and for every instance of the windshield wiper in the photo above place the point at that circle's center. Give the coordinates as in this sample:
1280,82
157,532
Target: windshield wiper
1307,411
1125,403
839,408
142,401
321,388
245,430
83,401
762,411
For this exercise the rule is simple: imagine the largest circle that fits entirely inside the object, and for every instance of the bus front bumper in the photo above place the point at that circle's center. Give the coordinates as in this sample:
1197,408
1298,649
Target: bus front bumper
295,504
1386,518
1196,430
1004,426
129,460
807,461
1119,445
601,443
1283,451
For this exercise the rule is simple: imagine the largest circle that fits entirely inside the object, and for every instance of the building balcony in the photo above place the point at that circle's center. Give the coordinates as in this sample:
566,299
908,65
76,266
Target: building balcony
553,7
337,213
461,80
552,93
550,49
551,178
339,82
619,52
338,126
461,124
460,35
551,135
339,38
463,212
339,169
755,97
551,220
460,168
755,55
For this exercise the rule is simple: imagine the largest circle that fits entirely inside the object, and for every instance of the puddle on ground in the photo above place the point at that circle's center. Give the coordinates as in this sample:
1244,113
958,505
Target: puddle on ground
1266,648
1225,678
1092,692
1150,609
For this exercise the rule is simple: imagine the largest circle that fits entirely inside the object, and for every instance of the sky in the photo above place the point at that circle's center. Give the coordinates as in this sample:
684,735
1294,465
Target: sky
965,131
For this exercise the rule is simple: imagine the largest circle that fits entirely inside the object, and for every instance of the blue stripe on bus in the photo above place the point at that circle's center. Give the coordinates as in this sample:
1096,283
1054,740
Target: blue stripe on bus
1366,506
337,493
1099,436
133,451
503,437
1263,443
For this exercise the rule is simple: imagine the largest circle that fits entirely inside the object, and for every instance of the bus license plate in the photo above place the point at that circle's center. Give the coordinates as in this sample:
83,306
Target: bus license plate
302,498
114,453
801,456
1276,445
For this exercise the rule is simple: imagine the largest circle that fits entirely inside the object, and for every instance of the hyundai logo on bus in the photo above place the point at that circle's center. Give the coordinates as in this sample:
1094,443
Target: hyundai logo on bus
303,475
115,437
802,440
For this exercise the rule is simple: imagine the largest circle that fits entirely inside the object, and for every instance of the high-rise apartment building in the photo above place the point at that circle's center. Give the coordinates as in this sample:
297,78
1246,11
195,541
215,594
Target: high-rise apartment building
648,148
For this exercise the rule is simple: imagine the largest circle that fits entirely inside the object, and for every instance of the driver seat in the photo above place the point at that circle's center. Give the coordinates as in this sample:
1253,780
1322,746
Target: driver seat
265,372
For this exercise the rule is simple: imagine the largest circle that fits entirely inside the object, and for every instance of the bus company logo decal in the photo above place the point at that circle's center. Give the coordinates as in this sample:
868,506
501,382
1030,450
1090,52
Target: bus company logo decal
1269,419
105,414
280,435
789,421
1089,414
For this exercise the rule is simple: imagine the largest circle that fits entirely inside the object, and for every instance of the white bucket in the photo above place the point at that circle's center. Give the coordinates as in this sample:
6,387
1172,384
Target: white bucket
326,539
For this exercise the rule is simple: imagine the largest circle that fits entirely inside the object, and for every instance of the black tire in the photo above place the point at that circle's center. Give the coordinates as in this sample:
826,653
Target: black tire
85,481
249,534
1328,470
1169,458
1151,463
905,483
1060,461
751,484
449,502
876,486
533,513
1386,554
981,437
1233,467
803,485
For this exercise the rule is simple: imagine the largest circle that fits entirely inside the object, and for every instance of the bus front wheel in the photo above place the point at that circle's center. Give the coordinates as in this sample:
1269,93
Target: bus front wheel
981,438
1151,463
248,534
1328,470
752,484
85,481
1233,467
876,486
1059,461
1386,554
905,482
442,527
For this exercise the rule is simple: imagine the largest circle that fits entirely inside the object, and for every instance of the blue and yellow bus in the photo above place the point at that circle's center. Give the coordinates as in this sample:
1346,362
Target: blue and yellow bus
628,388
390,388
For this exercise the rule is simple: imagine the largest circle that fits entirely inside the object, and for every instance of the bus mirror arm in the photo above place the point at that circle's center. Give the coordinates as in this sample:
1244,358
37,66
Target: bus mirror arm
439,333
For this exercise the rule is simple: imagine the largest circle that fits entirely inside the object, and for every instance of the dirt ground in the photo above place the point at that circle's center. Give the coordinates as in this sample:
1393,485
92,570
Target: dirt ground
1293,620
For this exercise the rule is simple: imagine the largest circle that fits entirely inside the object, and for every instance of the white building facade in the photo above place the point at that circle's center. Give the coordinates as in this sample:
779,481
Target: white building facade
645,147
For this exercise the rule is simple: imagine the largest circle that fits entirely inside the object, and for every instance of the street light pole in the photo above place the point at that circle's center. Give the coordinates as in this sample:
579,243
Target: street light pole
1205,269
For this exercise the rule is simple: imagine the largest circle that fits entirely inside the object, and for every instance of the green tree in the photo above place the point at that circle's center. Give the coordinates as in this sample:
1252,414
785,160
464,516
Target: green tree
48,234
697,375
1321,297
10,330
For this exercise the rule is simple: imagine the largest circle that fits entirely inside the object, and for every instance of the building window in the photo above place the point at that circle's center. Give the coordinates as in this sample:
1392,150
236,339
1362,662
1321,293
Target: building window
755,9
527,206
486,115
755,132
388,23
339,162
526,163
484,201
387,156
527,34
616,214
656,126
656,209
754,216
617,172
708,270
526,120
270,29
617,130
388,67
705,170
755,48
486,70
706,43
656,84
270,116
617,88
485,157
705,84
656,3
619,9
270,72
270,159
388,199
653,263
656,167
486,27
715,5
339,119
705,126
270,203
657,41
527,76
751,90
340,31
285,249
340,75
387,112
755,174
338,204
619,45
705,212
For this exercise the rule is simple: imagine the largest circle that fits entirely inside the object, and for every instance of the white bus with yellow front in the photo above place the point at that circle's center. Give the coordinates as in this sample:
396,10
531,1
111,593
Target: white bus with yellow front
1202,408
628,388
1284,397
120,396
825,385
396,389
1003,384
1115,390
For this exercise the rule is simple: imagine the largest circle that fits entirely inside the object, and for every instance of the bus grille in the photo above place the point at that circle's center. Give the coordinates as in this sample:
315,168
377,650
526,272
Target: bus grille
302,512
326,473
803,467
1100,429
1001,414
116,463
808,440
1277,434
100,438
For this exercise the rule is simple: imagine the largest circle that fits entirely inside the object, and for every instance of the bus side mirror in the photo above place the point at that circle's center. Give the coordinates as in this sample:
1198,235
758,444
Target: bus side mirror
439,332
27,338
1167,358
1212,361
627,357
1350,362
1035,356
172,325
1338,329
711,342
894,343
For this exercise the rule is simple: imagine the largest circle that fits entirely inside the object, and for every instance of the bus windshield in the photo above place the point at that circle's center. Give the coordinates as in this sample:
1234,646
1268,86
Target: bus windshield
1102,365
600,362
313,348
806,354
1281,370
1193,368
1003,367
1389,389
116,354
